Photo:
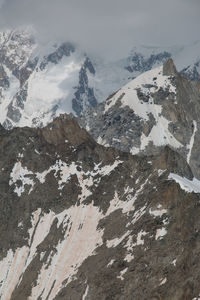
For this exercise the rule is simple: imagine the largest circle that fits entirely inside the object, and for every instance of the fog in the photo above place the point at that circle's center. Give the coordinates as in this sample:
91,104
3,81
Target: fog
109,27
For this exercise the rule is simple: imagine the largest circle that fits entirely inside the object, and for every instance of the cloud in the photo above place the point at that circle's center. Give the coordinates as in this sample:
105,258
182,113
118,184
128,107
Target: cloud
110,27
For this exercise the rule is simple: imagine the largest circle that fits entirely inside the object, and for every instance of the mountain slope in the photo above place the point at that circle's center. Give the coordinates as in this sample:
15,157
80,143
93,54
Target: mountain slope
158,108
80,221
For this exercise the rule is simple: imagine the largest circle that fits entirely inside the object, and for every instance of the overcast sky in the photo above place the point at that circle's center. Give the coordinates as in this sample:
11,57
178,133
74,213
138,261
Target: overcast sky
107,26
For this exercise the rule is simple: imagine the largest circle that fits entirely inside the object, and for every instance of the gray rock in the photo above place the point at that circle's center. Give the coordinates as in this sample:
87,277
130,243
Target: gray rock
88,222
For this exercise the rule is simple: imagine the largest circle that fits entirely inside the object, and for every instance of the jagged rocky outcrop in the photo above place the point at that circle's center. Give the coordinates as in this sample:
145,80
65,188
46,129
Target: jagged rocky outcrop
81,221
84,96
160,107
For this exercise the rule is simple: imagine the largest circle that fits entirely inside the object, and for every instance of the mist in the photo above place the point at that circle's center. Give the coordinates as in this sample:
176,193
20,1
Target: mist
110,28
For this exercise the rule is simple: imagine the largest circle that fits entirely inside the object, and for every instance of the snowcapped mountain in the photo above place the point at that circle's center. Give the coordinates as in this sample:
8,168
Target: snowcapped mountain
80,221
160,107
38,82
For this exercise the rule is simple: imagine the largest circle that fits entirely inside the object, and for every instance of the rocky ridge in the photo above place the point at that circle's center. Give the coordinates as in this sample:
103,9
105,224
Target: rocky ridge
81,221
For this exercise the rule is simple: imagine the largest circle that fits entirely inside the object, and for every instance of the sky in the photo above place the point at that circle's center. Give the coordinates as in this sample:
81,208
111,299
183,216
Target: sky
109,27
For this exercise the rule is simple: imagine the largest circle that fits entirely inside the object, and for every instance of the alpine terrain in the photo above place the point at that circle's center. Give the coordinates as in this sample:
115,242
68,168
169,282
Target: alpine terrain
81,221
39,81
99,172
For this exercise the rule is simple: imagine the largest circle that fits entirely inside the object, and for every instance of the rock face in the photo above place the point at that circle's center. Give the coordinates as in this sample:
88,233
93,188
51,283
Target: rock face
38,82
158,108
81,221
84,95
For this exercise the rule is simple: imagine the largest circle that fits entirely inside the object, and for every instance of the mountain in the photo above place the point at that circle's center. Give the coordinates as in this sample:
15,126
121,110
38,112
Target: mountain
37,81
160,107
145,58
82,221
40,81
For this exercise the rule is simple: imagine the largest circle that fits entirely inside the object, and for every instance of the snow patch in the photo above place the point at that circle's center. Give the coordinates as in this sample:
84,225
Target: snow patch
22,174
160,233
122,273
158,212
129,246
70,255
160,172
111,263
174,262
139,240
163,281
115,242
186,184
191,144
86,292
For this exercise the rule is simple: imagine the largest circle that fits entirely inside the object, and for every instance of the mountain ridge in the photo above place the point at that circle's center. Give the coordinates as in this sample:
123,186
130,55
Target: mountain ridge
87,222
101,203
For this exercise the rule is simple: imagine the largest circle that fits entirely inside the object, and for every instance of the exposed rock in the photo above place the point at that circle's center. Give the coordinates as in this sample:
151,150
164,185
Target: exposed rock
138,62
80,221
64,49
84,95
169,68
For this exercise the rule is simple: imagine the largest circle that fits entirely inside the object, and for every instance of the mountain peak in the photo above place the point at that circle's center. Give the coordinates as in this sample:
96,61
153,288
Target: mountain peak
64,128
169,68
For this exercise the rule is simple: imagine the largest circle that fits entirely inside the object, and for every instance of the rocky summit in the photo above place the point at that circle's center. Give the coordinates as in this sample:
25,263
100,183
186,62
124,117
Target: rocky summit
83,221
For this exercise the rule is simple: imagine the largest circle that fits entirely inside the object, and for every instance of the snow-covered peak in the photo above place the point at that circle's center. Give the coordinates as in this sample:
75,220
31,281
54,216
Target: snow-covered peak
138,95
148,83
